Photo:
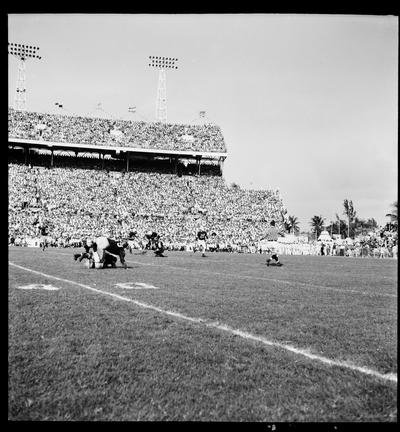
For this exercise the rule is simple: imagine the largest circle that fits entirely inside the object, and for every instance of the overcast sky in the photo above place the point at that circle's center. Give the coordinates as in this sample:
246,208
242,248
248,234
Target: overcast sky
306,103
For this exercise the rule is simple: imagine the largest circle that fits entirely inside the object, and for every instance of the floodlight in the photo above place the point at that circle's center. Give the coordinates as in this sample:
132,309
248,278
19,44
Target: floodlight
162,63
22,52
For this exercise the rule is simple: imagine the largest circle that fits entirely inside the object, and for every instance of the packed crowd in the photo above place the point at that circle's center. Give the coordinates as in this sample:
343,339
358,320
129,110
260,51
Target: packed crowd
119,133
78,199
76,203
382,248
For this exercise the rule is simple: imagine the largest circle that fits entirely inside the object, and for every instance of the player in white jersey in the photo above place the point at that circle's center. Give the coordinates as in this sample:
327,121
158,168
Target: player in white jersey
202,241
272,243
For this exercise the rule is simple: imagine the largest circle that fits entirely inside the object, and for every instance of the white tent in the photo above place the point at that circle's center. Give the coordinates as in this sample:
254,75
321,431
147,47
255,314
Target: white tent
288,238
325,237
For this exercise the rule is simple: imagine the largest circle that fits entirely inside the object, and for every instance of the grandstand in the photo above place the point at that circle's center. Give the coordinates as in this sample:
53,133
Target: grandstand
74,170
122,140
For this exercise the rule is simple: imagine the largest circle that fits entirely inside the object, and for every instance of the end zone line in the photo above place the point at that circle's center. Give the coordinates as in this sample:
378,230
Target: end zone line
392,377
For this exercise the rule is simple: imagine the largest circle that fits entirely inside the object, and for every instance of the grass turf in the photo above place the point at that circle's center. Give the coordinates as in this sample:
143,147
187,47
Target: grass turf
78,355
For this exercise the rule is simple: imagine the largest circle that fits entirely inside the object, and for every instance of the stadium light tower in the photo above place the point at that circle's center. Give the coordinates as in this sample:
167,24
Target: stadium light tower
22,52
162,63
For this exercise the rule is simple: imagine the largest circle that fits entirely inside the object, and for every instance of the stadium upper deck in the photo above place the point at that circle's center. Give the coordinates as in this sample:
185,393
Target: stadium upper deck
137,135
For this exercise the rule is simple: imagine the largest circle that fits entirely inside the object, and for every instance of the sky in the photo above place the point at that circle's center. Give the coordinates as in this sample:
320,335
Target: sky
307,104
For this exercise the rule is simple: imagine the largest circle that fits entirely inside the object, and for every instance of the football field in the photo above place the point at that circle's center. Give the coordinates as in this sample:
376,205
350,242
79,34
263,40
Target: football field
186,338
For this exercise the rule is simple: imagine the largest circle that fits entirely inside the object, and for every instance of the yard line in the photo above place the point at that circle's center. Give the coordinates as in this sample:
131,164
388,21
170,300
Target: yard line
391,377
236,276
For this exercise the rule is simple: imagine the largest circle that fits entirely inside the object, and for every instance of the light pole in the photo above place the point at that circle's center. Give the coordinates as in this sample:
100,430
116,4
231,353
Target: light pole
162,63
22,52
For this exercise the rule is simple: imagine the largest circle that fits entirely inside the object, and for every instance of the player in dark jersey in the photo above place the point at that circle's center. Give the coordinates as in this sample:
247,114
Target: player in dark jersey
272,243
106,251
202,241
150,236
44,232
86,254
159,247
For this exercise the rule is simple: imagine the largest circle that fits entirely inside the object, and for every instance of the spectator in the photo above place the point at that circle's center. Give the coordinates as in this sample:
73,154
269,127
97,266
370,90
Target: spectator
69,198
121,133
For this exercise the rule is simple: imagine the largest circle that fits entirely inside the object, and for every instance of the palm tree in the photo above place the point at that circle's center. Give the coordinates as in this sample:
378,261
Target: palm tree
317,225
349,212
359,225
330,227
294,224
338,219
394,215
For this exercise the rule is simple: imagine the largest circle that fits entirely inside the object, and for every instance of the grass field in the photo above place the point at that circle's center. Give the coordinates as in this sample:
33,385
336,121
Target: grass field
221,338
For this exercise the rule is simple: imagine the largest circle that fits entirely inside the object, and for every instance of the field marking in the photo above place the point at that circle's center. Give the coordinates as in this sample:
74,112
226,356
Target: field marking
135,285
391,377
45,287
236,276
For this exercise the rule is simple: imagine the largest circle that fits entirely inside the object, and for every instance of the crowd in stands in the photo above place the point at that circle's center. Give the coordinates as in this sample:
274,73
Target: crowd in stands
118,133
80,202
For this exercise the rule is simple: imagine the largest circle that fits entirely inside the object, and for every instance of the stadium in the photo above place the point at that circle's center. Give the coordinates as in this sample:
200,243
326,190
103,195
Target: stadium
200,335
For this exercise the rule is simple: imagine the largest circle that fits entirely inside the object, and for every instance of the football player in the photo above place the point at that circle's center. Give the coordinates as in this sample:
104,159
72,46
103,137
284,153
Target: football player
272,243
87,254
44,232
151,236
108,251
202,241
159,247
133,241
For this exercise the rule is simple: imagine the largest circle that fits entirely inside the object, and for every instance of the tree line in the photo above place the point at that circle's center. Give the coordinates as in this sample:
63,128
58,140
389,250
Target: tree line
350,226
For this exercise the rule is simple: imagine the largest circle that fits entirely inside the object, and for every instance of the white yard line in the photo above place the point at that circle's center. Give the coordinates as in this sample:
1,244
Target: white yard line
391,377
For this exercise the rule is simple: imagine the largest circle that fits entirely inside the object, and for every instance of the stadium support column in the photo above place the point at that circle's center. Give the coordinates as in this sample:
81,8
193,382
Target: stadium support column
198,159
26,155
52,158
127,162
221,164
